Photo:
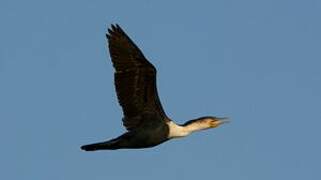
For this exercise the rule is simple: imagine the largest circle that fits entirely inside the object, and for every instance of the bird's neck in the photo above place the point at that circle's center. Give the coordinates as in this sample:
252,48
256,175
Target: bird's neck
177,131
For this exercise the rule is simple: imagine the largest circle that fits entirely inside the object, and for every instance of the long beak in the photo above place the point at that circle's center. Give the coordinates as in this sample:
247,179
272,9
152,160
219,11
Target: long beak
223,120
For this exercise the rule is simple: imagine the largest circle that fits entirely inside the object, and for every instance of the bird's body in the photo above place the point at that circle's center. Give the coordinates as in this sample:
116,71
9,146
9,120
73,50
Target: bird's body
144,118
140,138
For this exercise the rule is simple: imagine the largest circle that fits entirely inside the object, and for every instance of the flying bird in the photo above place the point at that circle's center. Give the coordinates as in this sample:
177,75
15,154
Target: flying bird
144,117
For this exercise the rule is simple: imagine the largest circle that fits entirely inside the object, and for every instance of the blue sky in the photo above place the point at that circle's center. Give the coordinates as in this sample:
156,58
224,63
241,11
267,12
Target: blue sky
257,62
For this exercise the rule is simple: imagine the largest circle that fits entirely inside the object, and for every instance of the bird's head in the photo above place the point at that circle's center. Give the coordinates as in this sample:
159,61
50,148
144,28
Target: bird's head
213,122
206,122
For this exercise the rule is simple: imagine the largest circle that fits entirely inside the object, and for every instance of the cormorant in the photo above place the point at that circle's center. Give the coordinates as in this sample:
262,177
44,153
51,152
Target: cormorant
144,118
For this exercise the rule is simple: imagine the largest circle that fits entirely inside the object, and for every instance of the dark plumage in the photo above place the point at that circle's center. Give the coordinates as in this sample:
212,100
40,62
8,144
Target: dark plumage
135,81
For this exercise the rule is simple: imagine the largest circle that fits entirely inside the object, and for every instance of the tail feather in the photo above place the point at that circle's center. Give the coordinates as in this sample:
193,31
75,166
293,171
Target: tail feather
112,144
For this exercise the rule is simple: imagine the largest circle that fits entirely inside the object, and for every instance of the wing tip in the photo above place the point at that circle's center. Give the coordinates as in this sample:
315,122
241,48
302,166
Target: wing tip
114,29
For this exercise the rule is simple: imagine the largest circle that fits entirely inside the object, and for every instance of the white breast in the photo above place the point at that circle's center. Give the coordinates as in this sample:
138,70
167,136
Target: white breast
176,131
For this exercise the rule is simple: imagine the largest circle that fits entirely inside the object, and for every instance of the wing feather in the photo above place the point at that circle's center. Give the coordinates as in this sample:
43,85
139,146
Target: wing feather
135,80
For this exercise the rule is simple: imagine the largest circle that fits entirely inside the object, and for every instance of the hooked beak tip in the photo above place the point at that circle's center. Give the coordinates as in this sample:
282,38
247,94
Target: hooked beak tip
224,120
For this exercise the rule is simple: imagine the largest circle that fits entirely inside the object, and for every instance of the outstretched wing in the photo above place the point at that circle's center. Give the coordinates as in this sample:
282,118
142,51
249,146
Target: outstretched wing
135,80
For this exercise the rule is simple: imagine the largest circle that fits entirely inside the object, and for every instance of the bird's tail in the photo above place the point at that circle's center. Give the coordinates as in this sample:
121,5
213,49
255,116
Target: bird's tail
111,145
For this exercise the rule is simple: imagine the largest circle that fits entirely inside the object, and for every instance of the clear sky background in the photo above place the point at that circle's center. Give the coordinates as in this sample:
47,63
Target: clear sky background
257,62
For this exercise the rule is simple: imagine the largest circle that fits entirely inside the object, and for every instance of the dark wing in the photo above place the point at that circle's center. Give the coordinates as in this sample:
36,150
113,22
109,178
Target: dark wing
135,80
